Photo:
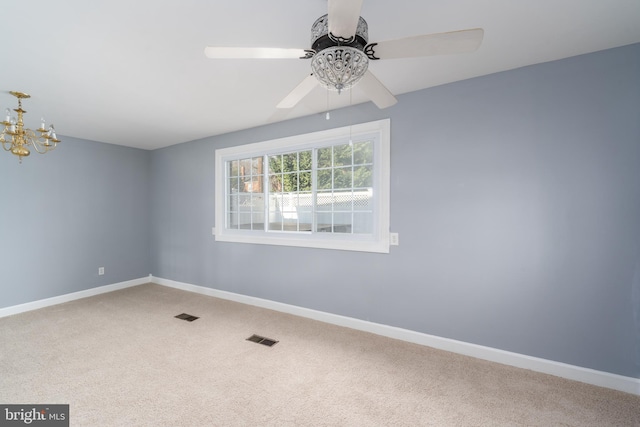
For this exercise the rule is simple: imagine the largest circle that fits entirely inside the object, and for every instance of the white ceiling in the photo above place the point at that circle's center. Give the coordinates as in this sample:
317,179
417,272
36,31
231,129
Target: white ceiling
133,72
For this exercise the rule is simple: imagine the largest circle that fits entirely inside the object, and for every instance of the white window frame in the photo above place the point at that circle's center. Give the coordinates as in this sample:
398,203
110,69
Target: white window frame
379,131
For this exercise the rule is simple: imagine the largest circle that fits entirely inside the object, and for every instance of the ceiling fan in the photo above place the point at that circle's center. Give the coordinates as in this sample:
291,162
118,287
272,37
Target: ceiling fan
340,53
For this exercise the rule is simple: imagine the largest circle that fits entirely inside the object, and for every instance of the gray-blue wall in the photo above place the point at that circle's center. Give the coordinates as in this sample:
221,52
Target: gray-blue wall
517,200
65,213
516,196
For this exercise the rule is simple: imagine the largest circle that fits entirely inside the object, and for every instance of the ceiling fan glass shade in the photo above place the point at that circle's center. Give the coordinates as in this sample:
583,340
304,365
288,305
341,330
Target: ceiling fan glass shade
339,67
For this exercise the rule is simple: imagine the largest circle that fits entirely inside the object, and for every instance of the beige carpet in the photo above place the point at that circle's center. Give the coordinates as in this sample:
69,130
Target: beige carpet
122,359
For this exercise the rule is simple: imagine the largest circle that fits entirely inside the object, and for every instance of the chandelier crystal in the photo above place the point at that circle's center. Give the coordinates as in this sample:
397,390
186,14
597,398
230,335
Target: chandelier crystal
339,67
17,139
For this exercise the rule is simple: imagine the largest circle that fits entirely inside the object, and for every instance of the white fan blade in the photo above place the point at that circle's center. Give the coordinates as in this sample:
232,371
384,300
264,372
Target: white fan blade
343,18
253,53
299,92
378,93
464,41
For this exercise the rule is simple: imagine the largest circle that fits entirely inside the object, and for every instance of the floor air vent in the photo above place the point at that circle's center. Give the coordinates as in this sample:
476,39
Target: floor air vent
187,317
262,340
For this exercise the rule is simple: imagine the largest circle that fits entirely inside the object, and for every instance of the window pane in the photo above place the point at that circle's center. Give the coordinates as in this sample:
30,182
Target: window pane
362,152
234,185
324,179
343,201
256,178
304,181
289,204
305,207
334,223
363,223
275,212
245,168
244,220
324,222
232,220
342,222
256,166
363,177
275,164
275,226
324,201
342,228
253,185
324,157
305,163
290,182
234,168
232,212
233,202
362,200
342,155
342,177
290,162
244,202
275,183
257,221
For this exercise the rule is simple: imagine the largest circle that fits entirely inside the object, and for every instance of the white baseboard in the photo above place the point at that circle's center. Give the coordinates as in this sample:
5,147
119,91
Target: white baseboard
34,305
576,373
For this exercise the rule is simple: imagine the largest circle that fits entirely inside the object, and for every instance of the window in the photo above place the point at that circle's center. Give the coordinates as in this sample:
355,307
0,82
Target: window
327,189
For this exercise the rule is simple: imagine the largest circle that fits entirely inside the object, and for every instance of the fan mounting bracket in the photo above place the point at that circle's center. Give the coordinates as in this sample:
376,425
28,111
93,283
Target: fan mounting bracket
308,54
370,51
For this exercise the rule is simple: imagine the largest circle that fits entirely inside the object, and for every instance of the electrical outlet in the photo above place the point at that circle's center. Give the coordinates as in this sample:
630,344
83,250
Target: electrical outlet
213,231
100,271
394,239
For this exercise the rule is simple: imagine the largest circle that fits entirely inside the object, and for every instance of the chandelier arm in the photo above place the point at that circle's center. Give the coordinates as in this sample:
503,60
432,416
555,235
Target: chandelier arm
39,143
6,145
20,138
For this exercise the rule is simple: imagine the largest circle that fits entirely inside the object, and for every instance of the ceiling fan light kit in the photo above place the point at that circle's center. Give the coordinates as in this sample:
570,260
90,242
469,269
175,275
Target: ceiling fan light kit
338,63
340,53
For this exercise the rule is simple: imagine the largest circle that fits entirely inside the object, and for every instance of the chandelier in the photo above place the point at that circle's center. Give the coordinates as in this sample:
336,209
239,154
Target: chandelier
16,139
338,63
